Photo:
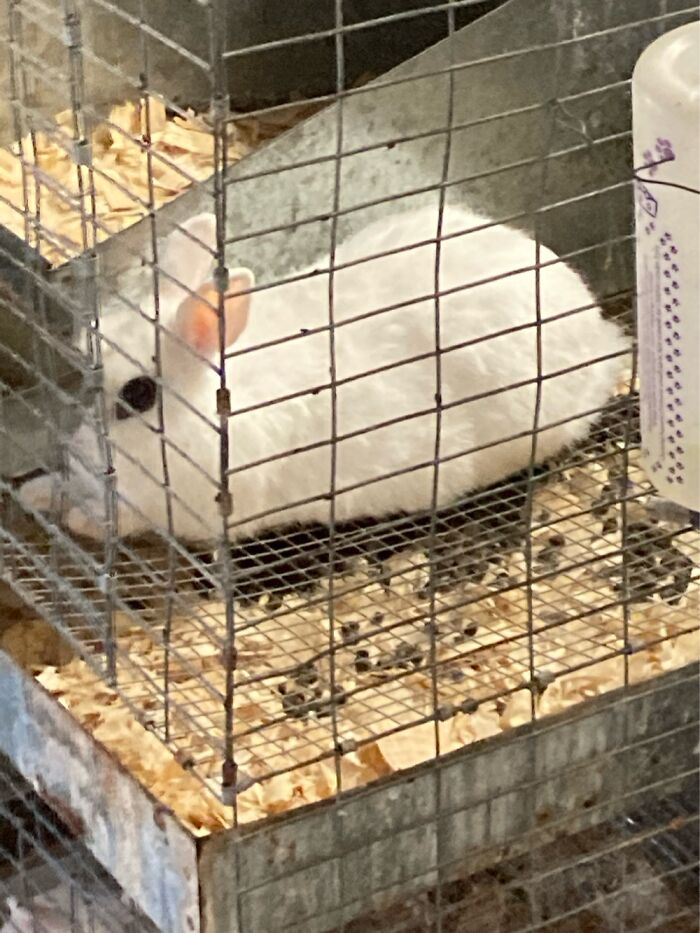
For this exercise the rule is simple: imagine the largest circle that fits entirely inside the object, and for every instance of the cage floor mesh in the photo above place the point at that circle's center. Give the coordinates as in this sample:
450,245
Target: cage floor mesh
519,624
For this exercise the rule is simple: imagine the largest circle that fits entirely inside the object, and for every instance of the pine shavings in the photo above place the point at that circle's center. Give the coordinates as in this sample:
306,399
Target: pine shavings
135,142
421,743
105,716
103,713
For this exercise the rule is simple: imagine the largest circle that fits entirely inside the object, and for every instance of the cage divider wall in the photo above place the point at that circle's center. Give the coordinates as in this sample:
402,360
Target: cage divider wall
47,878
100,804
523,114
625,752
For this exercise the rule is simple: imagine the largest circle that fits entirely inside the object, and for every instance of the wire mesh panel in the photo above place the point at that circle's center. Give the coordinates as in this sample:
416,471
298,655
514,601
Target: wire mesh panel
583,821
636,873
48,882
329,465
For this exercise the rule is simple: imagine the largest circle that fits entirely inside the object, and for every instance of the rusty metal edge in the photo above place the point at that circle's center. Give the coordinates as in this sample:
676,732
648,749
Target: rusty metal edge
137,839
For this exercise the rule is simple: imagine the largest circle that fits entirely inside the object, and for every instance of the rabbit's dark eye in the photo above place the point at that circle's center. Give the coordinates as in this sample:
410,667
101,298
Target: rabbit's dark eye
139,395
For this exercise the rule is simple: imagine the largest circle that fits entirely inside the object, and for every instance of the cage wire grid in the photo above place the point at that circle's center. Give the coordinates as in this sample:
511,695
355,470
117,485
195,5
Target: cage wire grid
48,882
578,871
590,837
633,866
446,603
530,893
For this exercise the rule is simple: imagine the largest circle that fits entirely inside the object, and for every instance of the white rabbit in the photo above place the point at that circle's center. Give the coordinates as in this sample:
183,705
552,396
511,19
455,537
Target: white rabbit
295,485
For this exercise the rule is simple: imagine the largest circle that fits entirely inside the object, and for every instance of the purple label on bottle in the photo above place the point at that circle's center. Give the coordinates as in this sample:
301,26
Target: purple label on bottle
660,329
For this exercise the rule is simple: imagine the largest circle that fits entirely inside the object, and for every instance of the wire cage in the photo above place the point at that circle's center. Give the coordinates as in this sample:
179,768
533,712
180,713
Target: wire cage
48,882
268,567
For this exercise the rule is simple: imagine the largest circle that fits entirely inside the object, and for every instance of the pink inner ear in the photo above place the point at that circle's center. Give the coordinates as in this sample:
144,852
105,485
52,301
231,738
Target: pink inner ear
197,322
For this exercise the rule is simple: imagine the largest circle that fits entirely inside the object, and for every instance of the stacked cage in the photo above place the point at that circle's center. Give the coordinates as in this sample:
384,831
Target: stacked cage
320,470
48,881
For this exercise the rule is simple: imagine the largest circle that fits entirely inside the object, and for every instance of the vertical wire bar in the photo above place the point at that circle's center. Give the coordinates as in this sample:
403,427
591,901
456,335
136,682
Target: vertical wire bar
532,462
14,73
626,594
219,116
528,509
32,220
624,522
158,364
58,598
338,750
17,94
529,500
432,539
88,270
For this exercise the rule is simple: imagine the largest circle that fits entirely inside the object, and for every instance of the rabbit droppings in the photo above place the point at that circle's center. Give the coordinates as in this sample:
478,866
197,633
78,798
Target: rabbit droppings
385,369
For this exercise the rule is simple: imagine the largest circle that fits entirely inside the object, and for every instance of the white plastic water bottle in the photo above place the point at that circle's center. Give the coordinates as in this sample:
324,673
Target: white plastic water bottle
666,132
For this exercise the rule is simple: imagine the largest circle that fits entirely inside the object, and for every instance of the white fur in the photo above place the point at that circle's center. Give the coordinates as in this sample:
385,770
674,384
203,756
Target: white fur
304,365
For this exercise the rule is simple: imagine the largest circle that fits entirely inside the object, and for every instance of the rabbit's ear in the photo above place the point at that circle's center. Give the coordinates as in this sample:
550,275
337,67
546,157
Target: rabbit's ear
197,322
187,256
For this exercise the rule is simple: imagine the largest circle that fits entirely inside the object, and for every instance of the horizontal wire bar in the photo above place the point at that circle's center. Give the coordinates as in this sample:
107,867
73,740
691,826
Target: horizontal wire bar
451,4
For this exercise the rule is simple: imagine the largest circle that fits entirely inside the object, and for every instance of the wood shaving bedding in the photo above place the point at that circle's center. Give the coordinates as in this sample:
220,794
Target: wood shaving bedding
385,688
103,713
180,153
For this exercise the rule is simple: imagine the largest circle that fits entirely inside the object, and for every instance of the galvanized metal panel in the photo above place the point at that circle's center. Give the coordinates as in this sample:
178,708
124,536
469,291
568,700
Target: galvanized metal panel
134,837
97,909
310,870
